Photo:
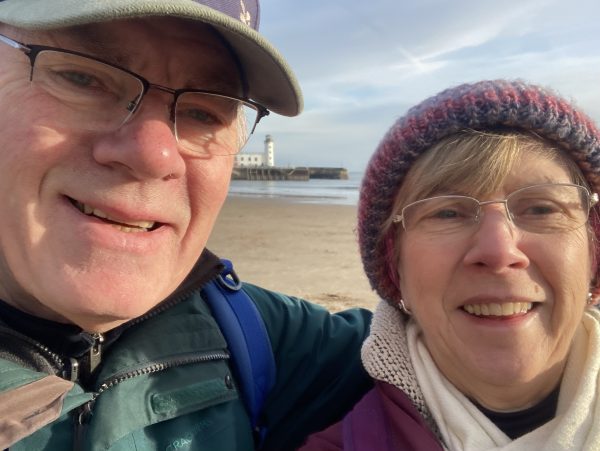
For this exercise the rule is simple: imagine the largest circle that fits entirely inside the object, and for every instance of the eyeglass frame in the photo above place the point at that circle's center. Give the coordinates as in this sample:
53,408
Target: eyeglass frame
593,200
33,50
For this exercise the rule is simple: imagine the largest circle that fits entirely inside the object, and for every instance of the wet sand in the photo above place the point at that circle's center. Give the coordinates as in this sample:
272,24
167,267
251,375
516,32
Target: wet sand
305,250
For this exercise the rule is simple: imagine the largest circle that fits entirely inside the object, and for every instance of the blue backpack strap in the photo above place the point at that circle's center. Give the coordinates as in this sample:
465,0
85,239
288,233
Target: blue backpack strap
247,338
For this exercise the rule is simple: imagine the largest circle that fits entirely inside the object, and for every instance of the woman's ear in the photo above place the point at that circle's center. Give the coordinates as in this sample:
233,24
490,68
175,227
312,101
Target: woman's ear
593,297
594,293
593,233
391,259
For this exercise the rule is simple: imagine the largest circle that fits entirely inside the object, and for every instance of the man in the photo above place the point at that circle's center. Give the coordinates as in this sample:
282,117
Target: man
118,123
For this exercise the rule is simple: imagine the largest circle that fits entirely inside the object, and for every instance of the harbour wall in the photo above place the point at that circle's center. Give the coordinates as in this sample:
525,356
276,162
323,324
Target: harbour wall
302,173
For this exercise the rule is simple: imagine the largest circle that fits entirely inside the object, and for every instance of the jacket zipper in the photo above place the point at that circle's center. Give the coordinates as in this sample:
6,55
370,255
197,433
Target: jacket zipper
56,361
95,353
94,357
84,413
166,305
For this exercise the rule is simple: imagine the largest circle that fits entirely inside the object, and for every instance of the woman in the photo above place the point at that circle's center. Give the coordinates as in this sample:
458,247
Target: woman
478,228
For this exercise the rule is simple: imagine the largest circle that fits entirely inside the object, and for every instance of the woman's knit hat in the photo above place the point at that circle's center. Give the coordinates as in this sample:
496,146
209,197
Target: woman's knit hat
485,105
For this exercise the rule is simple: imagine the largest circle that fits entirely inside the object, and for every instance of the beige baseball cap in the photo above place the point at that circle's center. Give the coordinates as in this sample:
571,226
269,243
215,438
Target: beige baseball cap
271,82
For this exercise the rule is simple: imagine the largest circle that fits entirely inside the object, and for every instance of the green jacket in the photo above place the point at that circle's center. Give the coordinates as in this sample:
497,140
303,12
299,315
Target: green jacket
166,383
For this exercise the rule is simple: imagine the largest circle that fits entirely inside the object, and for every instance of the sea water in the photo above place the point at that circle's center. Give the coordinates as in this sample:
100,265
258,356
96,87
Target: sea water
316,191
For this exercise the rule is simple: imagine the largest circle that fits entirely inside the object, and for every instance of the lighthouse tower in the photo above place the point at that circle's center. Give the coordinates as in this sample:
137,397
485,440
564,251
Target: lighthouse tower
269,151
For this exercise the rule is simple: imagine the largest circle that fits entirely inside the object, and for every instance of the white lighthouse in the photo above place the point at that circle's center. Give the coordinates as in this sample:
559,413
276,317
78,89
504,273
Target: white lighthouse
269,151
266,158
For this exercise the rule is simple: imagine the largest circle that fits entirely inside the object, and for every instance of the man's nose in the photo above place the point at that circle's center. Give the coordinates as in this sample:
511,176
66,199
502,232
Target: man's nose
146,145
496,242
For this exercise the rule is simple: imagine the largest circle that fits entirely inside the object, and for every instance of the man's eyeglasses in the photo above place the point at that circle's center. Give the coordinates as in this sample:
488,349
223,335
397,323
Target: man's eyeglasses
91,94
545,208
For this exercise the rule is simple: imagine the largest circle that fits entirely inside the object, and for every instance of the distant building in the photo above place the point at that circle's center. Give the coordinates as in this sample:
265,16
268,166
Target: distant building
262,159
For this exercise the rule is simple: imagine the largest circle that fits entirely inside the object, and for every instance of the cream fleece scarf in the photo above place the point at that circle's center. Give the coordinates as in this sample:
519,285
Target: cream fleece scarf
397,355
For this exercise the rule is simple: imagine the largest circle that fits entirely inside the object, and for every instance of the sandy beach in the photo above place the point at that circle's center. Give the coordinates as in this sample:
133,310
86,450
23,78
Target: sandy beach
305,250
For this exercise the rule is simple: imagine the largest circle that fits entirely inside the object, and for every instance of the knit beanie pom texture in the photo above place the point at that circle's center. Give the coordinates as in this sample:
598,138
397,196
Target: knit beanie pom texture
486,105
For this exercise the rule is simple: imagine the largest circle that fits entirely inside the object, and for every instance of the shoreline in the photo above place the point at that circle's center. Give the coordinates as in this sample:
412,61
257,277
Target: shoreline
303,249
300,198
315,191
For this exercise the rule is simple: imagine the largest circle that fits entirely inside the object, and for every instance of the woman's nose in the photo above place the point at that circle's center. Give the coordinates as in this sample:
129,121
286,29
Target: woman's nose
146,145
495,243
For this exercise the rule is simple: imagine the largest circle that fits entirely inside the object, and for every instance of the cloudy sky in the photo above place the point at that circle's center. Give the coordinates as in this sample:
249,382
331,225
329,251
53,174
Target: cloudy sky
362,64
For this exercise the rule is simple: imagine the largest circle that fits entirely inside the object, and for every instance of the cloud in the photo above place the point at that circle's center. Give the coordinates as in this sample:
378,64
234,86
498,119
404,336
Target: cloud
362,64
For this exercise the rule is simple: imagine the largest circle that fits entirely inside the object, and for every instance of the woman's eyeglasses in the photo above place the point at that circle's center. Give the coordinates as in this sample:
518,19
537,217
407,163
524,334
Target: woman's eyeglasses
545,208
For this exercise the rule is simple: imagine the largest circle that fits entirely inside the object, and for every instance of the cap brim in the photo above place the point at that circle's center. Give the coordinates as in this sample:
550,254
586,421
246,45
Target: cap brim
270,80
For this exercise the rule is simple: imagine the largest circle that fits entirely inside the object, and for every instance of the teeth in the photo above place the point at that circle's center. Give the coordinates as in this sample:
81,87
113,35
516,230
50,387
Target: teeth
130,229
494,309
135,226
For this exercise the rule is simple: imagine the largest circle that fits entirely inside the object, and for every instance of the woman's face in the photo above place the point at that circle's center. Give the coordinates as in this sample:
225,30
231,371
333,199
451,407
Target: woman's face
505,360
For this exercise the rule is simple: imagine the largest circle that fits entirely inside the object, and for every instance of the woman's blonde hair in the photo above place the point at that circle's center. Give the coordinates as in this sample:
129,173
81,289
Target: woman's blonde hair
473,162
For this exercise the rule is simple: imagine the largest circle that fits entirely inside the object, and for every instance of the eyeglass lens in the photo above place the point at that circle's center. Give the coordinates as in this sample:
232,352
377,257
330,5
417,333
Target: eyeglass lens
545,208
95,96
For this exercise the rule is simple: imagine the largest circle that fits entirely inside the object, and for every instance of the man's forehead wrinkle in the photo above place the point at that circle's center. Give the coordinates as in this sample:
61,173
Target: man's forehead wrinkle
25,36
103,44
213,81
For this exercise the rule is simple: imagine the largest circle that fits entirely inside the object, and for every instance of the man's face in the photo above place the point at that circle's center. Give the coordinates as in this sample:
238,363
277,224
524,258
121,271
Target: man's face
59,263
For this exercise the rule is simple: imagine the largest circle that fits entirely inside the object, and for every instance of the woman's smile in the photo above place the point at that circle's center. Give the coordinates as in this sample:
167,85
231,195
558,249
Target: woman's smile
495,310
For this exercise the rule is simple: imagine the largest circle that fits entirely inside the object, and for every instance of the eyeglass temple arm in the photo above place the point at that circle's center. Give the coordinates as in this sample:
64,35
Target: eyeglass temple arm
262,112
14,44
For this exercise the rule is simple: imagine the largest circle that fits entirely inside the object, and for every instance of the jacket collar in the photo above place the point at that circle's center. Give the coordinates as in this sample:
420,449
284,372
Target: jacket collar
68,340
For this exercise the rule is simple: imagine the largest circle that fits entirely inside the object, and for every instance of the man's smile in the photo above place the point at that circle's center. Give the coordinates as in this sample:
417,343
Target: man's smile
128,226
